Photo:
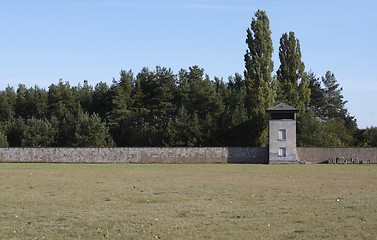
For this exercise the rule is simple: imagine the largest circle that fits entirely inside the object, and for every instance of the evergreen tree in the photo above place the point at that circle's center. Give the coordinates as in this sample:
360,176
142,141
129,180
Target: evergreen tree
184,130
293,81
201,94
90,131
82,130
119,107
66,130
163,97
137,123
38,133
84,95
336,114
3,140
7,99
15,132
100,100
120,95
62,100
335,105
236,111
38,98
31,102
183,88
317,95
258,70
157,92
234,114
22,104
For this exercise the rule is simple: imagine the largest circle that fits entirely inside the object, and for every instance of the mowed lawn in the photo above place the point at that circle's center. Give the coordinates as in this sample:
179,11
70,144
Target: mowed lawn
73,201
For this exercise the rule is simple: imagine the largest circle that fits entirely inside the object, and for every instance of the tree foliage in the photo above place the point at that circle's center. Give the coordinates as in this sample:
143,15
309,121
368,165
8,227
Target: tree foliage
39,133
3,140
337,127
258,75
161,108
369,137
292,79
335,105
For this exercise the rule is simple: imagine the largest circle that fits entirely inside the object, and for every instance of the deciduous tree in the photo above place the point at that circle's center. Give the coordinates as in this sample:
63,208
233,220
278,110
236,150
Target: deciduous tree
293,81
258,70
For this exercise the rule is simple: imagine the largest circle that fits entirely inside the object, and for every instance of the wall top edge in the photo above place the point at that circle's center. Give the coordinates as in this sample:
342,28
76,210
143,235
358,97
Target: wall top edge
133,148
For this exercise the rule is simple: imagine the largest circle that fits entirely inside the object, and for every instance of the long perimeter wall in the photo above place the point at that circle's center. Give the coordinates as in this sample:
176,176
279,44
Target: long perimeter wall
321,155
177,155
135,155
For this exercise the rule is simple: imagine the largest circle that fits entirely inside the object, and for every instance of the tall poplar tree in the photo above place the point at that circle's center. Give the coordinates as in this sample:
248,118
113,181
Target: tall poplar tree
258,70
293,80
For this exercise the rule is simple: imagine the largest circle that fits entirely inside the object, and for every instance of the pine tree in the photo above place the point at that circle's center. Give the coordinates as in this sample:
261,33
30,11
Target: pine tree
120,99
90,131
202,95
155,97
317,95
336,114
84,95
38,98
119,105
335,105
15,132
184,130
38,133
62,100
3,140
258,70
7,101
100,99
22,105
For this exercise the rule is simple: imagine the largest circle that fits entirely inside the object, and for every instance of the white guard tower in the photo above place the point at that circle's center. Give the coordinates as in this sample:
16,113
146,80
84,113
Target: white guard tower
282,134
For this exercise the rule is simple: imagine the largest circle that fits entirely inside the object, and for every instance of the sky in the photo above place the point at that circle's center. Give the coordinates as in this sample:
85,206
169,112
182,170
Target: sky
42,41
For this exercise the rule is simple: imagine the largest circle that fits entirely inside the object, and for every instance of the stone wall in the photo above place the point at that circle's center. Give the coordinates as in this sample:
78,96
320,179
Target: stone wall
135,155
177,155
321,155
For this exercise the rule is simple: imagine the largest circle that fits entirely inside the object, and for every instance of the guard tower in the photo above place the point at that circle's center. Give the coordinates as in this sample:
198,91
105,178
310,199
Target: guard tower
282,134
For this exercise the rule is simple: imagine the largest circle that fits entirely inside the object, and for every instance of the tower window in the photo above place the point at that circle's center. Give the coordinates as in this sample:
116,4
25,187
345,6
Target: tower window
282,152
282,134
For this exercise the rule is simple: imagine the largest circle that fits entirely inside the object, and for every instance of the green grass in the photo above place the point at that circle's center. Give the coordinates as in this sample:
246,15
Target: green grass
70,201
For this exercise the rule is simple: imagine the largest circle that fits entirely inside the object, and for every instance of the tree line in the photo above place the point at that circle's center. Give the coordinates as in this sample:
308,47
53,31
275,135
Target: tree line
161,108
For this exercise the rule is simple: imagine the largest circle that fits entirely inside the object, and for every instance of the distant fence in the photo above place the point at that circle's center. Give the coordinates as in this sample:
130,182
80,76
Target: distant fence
135,155
179,155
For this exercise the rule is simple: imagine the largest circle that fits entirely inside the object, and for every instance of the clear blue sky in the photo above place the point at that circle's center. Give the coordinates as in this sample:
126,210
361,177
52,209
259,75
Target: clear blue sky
44,40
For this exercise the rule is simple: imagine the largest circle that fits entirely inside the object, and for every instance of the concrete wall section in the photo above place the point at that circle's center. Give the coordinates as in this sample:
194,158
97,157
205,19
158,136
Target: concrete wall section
70,155
248,155
322,155
289,143
134,155
178,155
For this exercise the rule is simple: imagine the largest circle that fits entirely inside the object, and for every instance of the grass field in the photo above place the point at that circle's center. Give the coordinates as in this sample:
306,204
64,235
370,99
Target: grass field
70,201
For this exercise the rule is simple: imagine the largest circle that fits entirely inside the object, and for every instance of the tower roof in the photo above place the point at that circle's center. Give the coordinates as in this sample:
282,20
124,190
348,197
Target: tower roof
282,107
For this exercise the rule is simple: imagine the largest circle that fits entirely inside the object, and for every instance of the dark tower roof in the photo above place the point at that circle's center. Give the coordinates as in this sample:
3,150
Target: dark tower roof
282,107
